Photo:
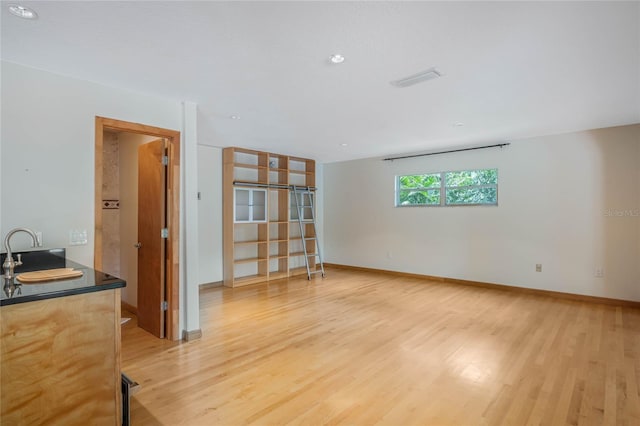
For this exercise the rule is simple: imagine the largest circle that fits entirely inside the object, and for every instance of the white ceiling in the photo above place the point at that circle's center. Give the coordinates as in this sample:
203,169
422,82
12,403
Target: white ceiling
512,69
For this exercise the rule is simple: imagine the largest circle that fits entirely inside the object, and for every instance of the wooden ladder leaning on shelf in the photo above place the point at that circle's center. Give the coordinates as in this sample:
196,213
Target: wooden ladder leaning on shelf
299,193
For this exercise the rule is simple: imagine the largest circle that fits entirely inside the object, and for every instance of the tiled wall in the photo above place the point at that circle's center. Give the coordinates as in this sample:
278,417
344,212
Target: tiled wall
110,205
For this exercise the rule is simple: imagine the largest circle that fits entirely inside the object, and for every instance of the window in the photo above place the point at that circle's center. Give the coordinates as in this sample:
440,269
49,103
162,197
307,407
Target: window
417,190
461,188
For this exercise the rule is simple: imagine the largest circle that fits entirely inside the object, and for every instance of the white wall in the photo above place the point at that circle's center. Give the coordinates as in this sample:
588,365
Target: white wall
554,195
210,214
320,209
190,292
48,138
47,165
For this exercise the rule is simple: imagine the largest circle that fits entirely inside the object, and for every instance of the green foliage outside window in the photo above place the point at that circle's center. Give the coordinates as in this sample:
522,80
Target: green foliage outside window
420,181
472,196
467,187
472,177
419,190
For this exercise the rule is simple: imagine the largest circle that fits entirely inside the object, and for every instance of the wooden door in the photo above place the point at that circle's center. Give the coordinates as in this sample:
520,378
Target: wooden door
152,214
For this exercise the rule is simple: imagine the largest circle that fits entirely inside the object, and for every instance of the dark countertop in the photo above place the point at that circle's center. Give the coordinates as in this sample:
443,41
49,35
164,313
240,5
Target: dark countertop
91,281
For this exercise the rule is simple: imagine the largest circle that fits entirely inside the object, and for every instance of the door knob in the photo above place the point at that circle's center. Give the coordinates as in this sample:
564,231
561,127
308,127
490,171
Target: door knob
137,245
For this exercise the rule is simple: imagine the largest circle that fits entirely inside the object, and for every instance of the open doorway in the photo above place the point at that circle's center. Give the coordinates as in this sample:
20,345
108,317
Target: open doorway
137,181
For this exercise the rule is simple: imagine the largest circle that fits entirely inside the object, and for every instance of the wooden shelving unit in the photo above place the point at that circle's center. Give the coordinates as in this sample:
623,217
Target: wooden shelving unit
262,239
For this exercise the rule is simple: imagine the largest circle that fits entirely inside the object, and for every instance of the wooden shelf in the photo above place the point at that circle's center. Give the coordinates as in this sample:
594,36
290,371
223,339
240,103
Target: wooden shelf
249,166
301,254
251,260
247,151
278,256
249,249
248,242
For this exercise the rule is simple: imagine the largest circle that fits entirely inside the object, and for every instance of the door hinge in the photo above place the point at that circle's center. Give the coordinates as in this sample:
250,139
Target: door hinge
164,233
164,306
165,160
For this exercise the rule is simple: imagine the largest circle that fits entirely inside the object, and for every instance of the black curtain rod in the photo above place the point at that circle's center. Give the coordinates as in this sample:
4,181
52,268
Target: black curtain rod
499,145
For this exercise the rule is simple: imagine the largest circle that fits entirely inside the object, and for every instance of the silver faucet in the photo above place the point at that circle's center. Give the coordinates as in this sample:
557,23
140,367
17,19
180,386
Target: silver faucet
9,264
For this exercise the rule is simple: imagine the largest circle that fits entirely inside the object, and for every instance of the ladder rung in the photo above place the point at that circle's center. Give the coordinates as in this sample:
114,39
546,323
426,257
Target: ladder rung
316,272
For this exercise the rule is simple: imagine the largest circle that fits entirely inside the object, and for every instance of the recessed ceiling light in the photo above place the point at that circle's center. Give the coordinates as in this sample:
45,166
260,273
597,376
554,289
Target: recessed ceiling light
234,117
336,59
22,12
458,124
344,144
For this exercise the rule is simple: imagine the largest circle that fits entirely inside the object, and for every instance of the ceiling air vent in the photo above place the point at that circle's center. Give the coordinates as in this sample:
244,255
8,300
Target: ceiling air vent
429,74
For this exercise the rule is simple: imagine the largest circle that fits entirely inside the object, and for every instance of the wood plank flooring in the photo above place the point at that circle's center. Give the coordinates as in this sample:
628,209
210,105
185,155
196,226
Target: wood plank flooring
359,348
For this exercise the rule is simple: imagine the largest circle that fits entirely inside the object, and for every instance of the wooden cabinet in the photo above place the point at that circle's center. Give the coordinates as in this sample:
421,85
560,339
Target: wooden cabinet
61,360
260,226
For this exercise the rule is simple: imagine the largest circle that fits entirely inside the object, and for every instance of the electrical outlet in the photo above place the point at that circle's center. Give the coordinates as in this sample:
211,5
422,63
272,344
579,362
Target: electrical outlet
389,255
599,273
538,267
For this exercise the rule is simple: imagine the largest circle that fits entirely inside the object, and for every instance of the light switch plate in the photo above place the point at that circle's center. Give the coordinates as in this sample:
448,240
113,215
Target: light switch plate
78,237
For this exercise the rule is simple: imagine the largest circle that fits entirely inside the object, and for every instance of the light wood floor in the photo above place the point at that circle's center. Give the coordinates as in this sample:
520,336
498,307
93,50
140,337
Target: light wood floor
360,348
